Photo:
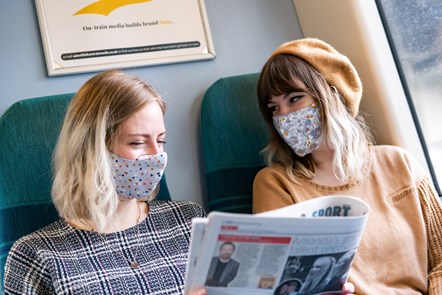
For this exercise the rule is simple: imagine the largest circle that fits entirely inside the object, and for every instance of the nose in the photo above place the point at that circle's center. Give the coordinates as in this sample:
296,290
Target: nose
154,148
283,109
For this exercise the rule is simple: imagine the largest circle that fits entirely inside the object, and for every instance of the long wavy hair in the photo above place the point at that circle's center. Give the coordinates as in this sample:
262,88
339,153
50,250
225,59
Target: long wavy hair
83,186
349,137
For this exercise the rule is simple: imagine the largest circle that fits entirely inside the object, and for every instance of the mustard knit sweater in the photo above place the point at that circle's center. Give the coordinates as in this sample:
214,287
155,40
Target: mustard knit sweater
401,248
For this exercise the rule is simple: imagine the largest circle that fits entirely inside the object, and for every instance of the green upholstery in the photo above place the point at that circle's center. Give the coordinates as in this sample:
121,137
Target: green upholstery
232,135
28,133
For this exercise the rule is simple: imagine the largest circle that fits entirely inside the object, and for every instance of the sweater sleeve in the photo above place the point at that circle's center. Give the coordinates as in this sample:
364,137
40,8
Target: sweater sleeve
270,191
432,212
25,272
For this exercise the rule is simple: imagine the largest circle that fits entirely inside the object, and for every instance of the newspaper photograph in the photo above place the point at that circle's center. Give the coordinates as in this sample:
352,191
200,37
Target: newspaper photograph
305,248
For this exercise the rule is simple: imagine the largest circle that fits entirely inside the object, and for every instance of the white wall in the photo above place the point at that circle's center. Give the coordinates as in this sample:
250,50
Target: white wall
244,33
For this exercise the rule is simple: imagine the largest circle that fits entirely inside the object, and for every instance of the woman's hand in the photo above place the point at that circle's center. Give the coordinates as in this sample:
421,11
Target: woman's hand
348,288
199,291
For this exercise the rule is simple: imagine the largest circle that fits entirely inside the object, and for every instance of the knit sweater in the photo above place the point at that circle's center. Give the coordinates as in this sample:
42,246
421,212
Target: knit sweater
60,259
401,248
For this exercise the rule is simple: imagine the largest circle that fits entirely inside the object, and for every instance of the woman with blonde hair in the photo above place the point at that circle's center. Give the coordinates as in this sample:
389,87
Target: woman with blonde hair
309,95
112,236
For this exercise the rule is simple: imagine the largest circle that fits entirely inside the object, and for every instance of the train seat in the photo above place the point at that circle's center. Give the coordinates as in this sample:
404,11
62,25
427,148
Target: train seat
232,136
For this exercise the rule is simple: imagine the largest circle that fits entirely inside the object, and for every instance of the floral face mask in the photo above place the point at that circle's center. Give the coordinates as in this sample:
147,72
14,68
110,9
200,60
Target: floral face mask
137,178
301,130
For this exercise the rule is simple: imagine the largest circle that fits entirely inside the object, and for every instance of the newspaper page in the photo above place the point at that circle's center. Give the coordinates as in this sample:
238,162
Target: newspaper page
196,236
305,248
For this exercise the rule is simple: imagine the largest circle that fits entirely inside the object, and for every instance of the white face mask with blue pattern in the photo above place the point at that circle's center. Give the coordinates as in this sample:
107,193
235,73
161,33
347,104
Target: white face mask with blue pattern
137,178
301,130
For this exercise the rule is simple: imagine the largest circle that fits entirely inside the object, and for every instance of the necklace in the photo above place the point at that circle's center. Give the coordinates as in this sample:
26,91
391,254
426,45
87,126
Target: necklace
133,263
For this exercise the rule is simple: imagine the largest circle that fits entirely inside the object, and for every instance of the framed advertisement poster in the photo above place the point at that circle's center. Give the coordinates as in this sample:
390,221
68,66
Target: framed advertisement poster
90,35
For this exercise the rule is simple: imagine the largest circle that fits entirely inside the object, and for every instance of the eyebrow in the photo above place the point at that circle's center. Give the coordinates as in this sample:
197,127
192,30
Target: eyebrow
146,135
286,95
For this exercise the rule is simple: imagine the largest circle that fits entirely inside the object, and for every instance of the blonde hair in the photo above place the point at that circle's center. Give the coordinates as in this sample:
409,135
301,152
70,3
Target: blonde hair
347,136
83,186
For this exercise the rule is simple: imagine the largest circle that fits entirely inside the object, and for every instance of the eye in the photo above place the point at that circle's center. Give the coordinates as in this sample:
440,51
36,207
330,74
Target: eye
161,142
295,98
137,143
272,108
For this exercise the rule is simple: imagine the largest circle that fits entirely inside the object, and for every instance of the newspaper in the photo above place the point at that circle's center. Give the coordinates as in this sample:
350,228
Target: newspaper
305,248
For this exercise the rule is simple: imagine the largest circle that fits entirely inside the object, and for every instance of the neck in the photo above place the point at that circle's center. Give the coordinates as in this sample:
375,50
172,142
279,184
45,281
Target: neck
324,174
129,213
224,260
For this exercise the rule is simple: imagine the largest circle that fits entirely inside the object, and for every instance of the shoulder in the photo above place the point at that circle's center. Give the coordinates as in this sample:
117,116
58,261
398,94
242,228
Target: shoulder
271,172
27,266
271,177
235,262
50,231
187,208
272,189
396,165
30,245
392,157
390,150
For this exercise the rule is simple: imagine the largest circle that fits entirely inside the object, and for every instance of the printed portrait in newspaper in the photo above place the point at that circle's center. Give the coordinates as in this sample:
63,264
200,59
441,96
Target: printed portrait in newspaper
266,281
317,273
289,287
223,268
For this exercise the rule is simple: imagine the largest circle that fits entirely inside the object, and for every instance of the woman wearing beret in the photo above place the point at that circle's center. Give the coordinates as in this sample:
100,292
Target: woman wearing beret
309,95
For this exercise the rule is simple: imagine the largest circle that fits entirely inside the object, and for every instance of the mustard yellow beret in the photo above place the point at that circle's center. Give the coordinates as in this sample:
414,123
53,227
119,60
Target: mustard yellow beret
336,68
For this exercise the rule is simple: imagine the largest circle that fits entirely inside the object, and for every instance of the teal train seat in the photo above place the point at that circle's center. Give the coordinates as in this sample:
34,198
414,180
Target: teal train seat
232,135
28,133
